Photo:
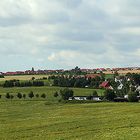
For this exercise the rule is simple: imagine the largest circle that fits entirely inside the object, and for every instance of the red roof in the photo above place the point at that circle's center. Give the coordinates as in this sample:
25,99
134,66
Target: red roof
10,73
93,75
105,84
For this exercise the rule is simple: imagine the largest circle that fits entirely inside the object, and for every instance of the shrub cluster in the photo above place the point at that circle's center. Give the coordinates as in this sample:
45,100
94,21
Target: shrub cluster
1,76
20,95
17,83
132,97
80,82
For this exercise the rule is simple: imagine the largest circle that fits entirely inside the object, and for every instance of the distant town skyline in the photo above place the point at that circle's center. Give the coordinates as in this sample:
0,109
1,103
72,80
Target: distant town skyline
47,70
63,34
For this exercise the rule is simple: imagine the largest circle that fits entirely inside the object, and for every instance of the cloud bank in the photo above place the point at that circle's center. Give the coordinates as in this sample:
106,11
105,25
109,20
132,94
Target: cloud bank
66,33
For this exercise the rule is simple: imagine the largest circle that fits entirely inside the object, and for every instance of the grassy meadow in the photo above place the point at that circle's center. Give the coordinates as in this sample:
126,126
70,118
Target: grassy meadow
31,120
49,91
109,76
47,119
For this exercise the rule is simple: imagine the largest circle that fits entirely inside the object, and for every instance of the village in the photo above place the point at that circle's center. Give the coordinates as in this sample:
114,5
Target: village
124,70
121,86
116,86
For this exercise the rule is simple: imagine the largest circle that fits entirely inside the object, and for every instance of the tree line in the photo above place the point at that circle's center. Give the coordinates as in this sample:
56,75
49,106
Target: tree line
24,96
1,76
17,83
79,82
108,95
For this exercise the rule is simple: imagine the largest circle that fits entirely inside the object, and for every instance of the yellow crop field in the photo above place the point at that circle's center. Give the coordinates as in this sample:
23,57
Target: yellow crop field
22,77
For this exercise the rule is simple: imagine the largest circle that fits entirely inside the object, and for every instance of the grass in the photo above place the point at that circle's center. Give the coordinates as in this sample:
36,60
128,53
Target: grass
109,76
48,119
101,121
49,91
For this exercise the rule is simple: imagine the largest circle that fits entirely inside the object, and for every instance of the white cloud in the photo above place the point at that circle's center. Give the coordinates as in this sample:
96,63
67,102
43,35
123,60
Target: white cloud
40,60
67,33
52,57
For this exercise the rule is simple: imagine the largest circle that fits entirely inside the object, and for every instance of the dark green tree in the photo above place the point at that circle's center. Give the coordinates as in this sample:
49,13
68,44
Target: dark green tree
37,95
8,83
31,94
1,76
24,96
132,97
109,94
43,95
19,95
7,95
94,93
11,96
33,78
56,94
66,93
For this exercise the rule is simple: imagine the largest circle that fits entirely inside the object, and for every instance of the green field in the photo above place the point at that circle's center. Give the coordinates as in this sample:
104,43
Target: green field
109,76
47,119
30,120
49,91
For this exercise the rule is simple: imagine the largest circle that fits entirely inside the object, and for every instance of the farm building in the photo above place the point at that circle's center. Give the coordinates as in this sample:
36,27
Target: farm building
80,98
105,84
138,89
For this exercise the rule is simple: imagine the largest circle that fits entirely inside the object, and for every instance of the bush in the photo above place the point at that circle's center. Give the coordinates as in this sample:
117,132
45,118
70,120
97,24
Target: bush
94,94
38,83
0,96
132,97
109,95
33,78
17,83
24,96
43,95
1,76
37,95
66,93
56,94
8,84
11,96
31,94
19,95
7,95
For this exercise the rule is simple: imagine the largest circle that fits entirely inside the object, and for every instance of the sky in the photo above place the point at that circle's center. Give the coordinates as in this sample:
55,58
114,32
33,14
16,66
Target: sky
62,34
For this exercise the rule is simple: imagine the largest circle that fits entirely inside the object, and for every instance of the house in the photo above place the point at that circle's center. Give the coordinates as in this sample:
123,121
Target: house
126,96
119,80
78,98
98,98
105,85
82,98
120,86
1,73
138,89
10,73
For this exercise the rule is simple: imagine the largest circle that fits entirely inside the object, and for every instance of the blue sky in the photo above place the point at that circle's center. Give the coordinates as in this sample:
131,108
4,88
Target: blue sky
55,34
